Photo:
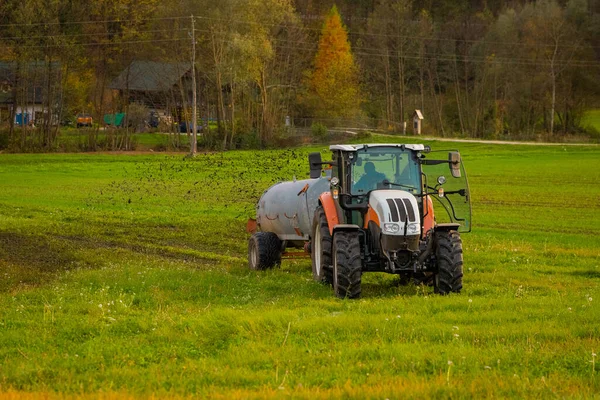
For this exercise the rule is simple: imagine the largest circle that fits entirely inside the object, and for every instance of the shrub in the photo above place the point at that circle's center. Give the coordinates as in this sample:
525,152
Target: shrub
160,147
3,139
318,130
137,116
210,139
248,140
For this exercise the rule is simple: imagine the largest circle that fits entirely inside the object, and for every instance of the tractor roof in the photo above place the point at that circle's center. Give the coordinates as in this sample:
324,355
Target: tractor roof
355,147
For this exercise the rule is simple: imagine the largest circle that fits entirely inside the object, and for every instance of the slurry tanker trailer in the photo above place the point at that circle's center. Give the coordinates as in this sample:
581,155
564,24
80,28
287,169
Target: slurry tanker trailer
395,208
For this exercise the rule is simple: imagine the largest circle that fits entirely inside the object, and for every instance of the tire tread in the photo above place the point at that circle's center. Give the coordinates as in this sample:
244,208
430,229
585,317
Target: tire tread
320,222
268,246
349,265
449,260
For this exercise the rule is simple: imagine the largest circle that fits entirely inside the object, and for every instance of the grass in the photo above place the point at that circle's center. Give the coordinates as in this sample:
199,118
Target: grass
126,276
592,119
72,139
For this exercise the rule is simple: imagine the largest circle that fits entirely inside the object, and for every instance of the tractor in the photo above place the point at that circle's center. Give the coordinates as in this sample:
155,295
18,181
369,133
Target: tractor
369,209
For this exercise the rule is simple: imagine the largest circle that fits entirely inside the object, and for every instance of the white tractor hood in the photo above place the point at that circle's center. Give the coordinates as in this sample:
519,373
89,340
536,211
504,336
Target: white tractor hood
398,212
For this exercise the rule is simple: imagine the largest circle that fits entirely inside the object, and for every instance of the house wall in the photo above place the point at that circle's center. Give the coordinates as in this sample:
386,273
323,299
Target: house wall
33,112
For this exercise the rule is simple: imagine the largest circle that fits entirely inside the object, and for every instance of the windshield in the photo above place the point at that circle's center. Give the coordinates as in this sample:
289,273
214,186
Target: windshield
455,205
377,164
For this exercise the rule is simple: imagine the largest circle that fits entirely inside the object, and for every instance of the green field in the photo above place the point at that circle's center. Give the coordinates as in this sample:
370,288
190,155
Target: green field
75,140
126,276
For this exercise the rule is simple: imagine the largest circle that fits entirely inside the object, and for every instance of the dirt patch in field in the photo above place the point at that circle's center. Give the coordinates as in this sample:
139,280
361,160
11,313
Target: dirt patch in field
166,250
32,260
36,252
29,260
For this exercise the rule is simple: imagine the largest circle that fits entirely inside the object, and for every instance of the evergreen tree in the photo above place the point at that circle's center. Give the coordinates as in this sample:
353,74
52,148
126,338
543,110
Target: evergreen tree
333,85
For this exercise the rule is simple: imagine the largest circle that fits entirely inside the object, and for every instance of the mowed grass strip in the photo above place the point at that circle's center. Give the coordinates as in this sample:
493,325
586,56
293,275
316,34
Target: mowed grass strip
125,276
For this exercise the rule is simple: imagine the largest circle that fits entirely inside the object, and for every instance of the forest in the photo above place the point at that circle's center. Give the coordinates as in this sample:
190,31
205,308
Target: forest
262,70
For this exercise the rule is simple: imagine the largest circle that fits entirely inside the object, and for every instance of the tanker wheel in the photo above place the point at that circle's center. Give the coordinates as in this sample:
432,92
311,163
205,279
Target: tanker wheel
347,265
449,262
321,248
264,250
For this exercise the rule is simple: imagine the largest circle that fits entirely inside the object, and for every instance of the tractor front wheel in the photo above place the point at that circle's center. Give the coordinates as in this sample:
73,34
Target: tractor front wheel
264,250
321,248
449,260
347,265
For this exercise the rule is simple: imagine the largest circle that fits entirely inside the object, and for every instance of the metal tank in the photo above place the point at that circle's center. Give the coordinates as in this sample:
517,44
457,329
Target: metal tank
287,208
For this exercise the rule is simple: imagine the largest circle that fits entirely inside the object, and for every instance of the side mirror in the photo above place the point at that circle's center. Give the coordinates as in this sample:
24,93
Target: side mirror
314,160
454,161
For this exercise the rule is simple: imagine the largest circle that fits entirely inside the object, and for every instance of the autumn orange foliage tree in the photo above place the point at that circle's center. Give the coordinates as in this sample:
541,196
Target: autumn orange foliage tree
333,84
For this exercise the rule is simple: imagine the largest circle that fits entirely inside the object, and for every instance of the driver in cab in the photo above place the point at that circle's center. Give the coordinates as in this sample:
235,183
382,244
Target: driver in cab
370,179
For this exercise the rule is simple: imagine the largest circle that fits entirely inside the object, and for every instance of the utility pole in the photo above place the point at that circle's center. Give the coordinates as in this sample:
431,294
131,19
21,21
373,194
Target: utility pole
194,138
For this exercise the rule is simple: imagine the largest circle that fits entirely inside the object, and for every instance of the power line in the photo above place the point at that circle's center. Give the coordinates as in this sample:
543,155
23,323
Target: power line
304,28
368,51
90,34
100,43
87,22
357,51
454,40
410,37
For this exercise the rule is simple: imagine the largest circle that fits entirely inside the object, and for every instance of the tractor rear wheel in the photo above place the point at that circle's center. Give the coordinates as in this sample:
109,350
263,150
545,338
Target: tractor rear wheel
449,260
321,248
347,265
264,250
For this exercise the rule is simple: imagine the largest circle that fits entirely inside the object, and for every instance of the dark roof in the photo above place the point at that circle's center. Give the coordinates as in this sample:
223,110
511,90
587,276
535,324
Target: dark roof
30,70
33,73
150,76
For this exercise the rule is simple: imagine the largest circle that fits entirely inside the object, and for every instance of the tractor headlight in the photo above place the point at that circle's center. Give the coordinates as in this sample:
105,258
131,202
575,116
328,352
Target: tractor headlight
335,191
391,228
412,229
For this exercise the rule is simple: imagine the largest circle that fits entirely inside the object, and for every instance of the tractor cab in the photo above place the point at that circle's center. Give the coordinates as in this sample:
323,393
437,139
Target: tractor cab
436,179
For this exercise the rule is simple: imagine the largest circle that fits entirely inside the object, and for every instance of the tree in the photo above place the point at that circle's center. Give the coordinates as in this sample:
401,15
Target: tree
536,58
238,58
387,42
262,58
552,34
333,85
